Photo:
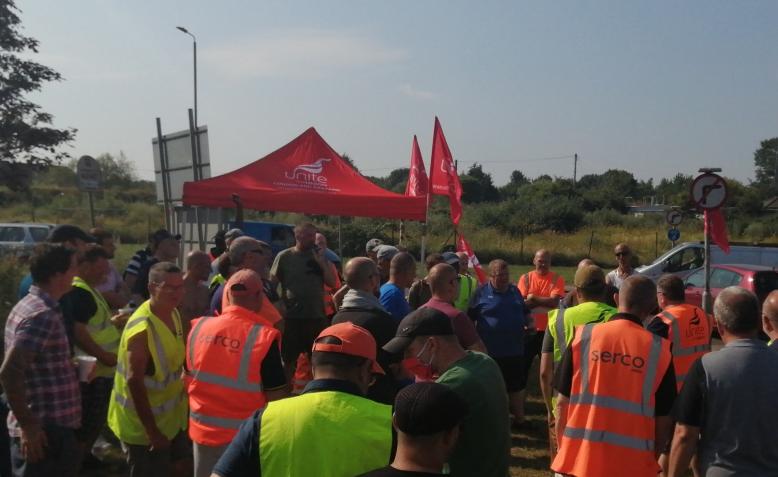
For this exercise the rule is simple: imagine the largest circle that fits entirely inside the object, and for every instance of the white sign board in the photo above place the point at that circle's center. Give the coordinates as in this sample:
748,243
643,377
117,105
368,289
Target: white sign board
709,191
178,148
674,217
90,177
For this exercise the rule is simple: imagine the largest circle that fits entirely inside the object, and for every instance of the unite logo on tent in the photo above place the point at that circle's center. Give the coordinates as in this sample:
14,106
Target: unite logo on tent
309,173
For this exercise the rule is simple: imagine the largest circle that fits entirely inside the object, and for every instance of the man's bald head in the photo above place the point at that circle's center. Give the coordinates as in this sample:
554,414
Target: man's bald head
585,263
770,307
440,278
196,256
637,296
198,265
359,274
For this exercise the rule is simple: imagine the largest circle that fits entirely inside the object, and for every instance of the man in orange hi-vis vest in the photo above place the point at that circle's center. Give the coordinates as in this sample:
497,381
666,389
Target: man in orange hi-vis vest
687,326
233,366
616,388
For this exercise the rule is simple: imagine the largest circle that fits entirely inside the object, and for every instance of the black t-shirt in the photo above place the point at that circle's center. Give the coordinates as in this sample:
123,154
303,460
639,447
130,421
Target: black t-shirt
689,408
77,306
390,471
664,397
272,369
658,327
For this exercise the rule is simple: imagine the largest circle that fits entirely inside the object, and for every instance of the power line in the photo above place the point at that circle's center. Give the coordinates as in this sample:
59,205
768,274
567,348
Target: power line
509,161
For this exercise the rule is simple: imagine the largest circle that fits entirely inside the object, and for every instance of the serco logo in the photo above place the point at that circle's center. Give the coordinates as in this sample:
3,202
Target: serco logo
225,341
622,359
310,173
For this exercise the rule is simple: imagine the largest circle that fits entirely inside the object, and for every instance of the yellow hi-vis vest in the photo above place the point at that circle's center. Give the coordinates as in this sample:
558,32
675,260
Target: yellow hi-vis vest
165,388
563,321
308,435
100,328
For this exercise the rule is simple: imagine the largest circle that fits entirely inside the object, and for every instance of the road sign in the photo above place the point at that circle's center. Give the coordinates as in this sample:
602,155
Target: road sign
673,234
674,217
90,178
709,191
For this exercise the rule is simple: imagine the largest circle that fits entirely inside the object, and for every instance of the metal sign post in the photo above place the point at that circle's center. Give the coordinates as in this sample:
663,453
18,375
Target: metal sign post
708,191
90,180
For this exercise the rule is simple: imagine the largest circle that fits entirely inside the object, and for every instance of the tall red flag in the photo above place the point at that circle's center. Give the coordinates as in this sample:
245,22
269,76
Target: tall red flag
463,246
718,228
443,176
418,183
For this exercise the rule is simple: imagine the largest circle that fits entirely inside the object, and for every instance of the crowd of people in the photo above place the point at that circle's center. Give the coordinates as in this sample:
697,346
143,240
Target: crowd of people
245,364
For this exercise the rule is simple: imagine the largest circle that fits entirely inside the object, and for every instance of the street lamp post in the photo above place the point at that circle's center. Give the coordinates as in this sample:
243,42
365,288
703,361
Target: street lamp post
194,50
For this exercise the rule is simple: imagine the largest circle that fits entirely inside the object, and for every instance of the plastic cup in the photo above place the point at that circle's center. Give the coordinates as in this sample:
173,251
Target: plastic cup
86,364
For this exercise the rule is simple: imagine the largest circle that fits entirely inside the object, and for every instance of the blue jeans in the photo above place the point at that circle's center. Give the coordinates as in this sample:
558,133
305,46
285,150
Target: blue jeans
62,455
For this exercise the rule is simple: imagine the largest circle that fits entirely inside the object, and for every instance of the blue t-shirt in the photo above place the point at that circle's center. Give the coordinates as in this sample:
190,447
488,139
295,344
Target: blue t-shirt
24,286
500,318
393,300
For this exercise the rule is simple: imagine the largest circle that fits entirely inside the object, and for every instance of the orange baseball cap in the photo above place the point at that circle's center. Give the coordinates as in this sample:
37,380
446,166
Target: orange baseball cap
243,282
354,341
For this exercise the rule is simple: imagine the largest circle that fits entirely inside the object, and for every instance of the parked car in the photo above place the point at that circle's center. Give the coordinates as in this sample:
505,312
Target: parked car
21,237
687,258
757,278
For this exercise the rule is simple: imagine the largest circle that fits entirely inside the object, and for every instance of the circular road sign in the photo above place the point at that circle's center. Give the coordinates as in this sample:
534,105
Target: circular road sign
709,191
674,217
673,235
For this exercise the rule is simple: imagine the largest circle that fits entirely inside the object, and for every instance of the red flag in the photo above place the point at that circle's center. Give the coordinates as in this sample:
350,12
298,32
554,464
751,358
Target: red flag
463,246
418,183
718,228
443,175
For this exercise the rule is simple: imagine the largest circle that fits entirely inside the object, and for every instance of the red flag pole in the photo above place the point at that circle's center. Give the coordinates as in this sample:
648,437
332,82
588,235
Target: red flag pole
706,298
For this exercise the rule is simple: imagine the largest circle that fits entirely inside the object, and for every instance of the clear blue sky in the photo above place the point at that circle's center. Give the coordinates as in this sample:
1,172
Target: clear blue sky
653,87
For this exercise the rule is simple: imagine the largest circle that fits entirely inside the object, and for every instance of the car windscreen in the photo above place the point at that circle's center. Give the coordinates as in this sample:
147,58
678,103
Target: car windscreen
764,283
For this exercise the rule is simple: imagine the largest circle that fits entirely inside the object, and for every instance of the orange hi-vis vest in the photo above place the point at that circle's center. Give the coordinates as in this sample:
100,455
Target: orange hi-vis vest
223,361
610,419
689,331
329,302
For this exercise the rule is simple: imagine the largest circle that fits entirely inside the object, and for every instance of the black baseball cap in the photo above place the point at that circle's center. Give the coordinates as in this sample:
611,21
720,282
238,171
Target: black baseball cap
67,232
422,322
424,409
157,237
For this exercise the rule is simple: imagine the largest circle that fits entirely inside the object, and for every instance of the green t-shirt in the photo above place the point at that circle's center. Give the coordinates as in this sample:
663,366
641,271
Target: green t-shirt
484,445
302,284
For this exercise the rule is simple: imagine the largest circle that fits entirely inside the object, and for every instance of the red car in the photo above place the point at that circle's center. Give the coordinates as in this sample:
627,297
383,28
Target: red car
756,278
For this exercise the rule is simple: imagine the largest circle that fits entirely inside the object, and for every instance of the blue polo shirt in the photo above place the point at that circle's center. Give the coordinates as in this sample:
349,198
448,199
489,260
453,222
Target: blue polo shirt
393,300
500,319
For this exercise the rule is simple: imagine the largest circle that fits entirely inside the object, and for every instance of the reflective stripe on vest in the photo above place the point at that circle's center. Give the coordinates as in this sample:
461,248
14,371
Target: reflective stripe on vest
678,349
241,382
644,408
224,422
158,410
607,437
99,326
168,376
559,325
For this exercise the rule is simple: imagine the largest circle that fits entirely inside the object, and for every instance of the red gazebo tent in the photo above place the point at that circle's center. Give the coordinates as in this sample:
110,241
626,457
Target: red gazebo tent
305,176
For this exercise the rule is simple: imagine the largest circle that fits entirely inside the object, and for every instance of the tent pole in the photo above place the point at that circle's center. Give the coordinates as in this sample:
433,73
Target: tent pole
340,239
424,228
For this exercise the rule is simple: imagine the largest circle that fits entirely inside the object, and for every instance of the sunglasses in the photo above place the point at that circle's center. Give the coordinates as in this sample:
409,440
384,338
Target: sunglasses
620,254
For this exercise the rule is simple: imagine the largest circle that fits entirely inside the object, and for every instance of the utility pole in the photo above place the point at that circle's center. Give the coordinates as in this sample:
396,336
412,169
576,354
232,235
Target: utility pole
575,167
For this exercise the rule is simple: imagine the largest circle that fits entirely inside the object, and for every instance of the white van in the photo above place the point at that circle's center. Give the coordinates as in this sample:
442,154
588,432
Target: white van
686,258
20,237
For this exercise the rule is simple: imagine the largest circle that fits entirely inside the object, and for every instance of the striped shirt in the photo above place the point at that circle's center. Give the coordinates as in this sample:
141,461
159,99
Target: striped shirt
137,261
36,325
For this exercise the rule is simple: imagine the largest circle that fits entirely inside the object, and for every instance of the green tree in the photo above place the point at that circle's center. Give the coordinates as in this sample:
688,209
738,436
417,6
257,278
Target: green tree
27,139
766,163
477,186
